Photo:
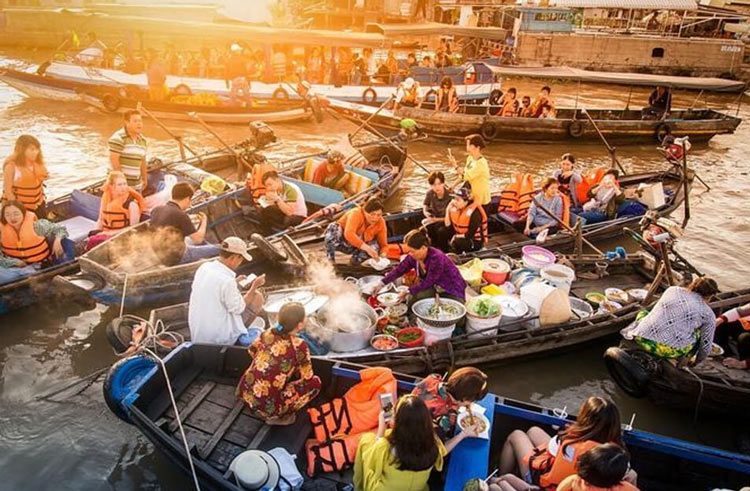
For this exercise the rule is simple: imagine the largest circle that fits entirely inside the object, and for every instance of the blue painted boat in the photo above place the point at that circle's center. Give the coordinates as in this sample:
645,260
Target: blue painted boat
219,427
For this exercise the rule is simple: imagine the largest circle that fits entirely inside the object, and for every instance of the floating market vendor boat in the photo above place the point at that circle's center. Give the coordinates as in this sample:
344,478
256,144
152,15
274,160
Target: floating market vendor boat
218,427
619,126
706,387
126,271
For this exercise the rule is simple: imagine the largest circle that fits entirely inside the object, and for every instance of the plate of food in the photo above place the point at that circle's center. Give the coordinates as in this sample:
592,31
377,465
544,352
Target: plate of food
384,342
389,299
716,350
637,294
466,419
595,298
609,306
617,295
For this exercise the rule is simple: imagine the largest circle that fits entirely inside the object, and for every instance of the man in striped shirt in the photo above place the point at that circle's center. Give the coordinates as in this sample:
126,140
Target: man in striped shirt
127,150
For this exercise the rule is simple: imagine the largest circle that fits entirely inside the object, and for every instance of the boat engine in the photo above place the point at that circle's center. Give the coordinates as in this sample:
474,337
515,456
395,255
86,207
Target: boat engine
262,134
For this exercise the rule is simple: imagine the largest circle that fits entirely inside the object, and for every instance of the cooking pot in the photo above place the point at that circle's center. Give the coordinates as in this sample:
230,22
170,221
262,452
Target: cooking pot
307,298
366,283
346,335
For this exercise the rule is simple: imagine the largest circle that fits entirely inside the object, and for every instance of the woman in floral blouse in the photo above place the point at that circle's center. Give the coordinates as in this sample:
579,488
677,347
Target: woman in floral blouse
280,380
464,386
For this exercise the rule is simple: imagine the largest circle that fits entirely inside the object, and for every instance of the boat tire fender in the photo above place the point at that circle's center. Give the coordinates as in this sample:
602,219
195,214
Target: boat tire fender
575,129
661,131
630,375
488,130
369,95
269,250
120,380
111,102
119,333
495,97
183,89
42,69
431,93
280,94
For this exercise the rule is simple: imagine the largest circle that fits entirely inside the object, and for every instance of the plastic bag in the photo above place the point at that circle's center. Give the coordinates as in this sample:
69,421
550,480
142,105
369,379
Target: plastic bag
291,477
471,272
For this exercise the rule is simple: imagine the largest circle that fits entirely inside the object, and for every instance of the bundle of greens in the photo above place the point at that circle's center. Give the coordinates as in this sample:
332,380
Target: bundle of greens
483,306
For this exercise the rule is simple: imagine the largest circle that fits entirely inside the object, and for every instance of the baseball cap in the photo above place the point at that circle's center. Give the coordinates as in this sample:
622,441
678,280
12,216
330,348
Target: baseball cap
235,245
409,83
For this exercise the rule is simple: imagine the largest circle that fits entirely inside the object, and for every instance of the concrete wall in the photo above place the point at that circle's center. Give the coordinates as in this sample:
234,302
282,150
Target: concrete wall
611,52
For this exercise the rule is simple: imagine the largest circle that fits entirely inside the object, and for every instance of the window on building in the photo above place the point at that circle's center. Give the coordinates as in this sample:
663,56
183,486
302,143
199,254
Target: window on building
657,53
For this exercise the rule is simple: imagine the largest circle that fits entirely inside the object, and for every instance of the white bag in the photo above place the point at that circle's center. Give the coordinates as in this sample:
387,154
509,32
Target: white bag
289,472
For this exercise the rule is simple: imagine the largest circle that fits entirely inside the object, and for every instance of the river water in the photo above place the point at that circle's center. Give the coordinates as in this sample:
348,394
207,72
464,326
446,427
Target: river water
78,444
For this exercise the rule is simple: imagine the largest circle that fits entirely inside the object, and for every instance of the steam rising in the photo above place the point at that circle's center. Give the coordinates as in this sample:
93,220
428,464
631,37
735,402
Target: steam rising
142,250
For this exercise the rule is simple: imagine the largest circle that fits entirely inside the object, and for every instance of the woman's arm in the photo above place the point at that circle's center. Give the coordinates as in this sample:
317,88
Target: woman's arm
8,175
135,213
400,270
451,444
50,230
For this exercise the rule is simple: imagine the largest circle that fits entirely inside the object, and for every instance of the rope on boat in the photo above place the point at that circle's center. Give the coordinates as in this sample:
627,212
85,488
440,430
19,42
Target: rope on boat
124,292
700,394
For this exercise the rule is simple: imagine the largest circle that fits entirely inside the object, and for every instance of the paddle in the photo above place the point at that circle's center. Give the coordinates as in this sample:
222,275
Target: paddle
388,140
236,154
161,125
610,149
565,225
372,116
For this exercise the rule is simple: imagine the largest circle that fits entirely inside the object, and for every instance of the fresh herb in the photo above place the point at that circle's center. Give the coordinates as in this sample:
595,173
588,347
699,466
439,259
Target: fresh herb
483,306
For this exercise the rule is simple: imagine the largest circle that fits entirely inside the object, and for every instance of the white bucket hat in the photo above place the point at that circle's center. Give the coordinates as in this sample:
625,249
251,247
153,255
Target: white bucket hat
255,470
409,83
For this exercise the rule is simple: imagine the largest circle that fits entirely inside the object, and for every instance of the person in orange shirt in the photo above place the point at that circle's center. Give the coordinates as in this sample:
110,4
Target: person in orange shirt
331,173
24,174
361,232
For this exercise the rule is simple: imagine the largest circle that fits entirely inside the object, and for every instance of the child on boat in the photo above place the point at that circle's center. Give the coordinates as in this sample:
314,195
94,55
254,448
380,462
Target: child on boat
280,380
603,468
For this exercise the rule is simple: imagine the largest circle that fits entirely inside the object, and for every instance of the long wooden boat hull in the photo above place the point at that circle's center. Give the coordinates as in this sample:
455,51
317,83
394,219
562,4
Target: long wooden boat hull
708,387
618,126
218,426
148,282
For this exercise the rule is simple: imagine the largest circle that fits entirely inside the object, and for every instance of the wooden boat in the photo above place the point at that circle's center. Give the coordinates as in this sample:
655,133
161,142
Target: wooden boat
218,426
78,212
571,125
706,387
506,229
517,338
485,79
124,269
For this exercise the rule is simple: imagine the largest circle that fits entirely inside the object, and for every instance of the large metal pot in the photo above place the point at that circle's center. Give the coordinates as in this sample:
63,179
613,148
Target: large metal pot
345,335
366,284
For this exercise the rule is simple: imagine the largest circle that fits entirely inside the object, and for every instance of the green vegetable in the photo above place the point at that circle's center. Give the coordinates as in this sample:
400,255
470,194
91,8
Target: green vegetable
408,337
483,306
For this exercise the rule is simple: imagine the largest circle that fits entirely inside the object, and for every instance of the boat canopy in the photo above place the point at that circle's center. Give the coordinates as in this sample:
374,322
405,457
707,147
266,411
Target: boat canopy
624,78
436,29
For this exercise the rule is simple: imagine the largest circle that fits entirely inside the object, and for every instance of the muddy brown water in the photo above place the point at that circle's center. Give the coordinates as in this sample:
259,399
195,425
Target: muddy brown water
80,445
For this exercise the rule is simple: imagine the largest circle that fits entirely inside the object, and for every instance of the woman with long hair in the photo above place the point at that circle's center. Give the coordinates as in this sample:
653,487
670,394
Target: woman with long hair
446,99
30,240
24,174
402,458
545,461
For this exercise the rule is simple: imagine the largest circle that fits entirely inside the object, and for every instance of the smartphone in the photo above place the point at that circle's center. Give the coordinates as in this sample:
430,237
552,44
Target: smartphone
248,281
386,404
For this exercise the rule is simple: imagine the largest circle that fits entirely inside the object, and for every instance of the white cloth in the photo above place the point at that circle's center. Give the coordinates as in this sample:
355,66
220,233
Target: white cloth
216,305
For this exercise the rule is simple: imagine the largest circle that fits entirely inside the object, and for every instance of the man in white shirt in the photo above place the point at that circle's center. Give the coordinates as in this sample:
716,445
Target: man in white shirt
218,310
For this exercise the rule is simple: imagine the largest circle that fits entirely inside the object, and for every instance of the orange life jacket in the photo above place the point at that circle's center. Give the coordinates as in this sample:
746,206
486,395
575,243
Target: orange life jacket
115,212
25,244
254,183
509,195
339,424
394,251
745,323
588,181
526,194
461,220
549,470
27,184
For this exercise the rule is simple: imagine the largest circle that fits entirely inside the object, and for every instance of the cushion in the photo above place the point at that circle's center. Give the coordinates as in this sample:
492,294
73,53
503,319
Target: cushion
78,227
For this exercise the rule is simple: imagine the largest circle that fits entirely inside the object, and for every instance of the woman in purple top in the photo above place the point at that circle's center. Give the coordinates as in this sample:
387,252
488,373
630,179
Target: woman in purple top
436,272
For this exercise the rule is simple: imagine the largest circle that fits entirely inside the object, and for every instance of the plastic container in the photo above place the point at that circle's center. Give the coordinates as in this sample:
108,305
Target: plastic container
535,257
513,309
558,276
523,276
495,271
475,323
433,335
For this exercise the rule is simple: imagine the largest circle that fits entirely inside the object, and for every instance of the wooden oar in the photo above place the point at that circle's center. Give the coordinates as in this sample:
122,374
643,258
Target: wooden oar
565,225
236,154
610,149
388,140
161,125
372,115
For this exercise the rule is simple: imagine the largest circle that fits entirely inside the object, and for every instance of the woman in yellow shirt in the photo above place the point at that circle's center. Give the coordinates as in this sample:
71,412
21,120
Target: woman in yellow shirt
477,170
401,459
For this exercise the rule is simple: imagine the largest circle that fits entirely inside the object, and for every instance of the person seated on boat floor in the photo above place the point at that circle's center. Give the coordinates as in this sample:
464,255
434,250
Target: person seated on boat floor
604,199
121,207
547,112
434,209
331,173
603,468
543,99
546,461
476,171
280,380
407,94
733,327
659,103
435,270
175,239
680,326
568,180
24,173
526,111
443,398
360,232
282,205
127,150
218,311
402,458
468,221
31,240
538,219
446,99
